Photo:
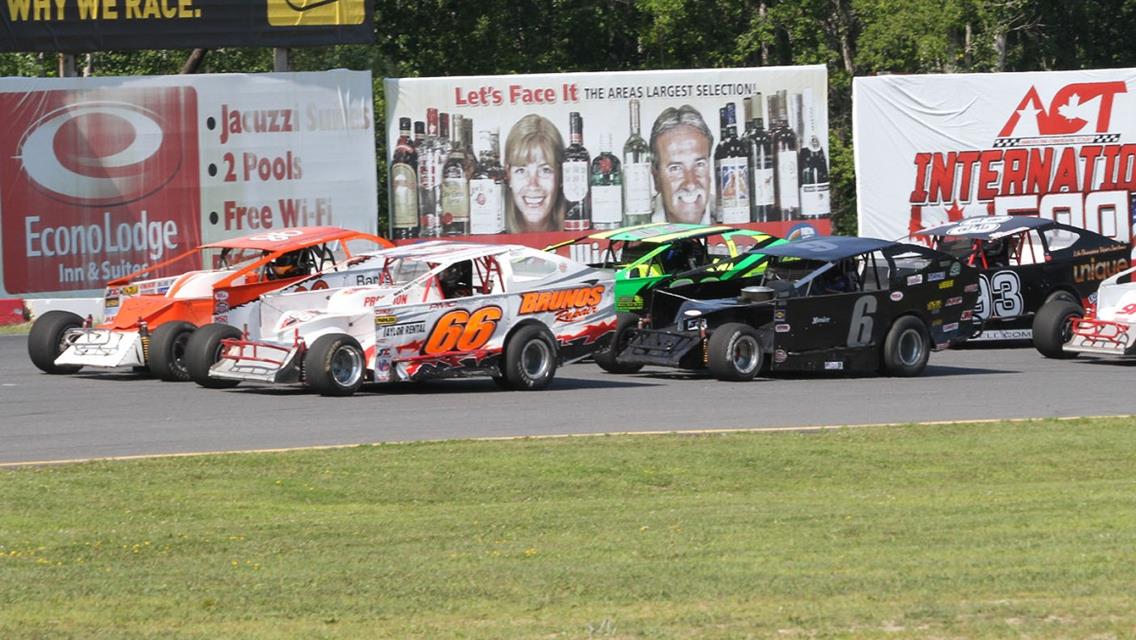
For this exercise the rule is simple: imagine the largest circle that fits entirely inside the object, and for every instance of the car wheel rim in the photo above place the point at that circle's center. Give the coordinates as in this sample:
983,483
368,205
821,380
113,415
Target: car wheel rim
744,354
1067,329
910,347
535,359
67,338
177,350
346,366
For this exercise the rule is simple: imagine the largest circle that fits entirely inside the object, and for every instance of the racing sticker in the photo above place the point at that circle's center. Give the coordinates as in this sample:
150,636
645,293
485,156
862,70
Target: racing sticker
460,330
96,184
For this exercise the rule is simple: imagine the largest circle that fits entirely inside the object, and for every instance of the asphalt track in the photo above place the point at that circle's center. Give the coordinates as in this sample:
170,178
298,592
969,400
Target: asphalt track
101,414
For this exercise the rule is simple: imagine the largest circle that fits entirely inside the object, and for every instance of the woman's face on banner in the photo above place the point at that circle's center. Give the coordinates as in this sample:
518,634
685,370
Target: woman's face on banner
534,187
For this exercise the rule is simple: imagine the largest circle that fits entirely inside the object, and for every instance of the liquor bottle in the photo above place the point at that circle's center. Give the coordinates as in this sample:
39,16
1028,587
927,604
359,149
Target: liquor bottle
762,192
455,185
607,187
785,160
467,142
429,174
487,188
578,217
731,166
637,200
404,184
815,196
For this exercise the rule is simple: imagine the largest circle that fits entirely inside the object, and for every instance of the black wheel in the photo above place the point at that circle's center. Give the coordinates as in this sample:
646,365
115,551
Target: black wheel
334,365
1062,296
204,350
530,359
167,351
735,352
906,348
1053,327
607,358
48,338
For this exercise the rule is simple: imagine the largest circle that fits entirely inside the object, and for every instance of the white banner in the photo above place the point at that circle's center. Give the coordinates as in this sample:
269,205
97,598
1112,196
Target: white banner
100,176
582,151
935,148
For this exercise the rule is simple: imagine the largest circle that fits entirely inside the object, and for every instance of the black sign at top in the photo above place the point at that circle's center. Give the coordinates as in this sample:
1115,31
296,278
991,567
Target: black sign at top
76,26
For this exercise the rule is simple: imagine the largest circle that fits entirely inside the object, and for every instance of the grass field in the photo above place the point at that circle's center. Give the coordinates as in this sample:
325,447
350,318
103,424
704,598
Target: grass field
15,329
989,530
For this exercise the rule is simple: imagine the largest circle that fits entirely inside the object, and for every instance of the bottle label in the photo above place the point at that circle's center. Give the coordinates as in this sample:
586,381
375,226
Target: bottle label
733,190
763,192
607,204
787,180
575,180
455,200
486,206
637,187
815,200
404,192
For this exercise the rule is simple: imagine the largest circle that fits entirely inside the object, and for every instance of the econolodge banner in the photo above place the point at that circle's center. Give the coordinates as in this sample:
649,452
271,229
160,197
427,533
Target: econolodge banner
75,26
537,158
936,148
102,176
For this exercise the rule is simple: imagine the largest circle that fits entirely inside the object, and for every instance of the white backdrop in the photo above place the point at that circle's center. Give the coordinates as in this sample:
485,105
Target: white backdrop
938,147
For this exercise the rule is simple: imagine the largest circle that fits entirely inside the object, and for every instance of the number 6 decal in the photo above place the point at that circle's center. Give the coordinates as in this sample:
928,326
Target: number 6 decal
860,331
460,330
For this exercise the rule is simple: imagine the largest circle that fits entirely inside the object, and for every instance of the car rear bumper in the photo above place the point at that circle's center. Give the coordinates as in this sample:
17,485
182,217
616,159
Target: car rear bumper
665,348
258,361
1102,337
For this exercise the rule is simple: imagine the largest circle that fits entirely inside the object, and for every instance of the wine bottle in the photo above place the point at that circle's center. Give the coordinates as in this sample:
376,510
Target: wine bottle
731,166
404,184
487,188
455,185
785,160
429,178
637,200
607,187
815,196
578,216
762,192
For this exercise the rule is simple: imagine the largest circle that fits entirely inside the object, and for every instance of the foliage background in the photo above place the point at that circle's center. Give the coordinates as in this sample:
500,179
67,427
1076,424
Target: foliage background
852,37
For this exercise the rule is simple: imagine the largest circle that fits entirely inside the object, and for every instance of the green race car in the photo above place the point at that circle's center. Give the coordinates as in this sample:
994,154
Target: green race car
649,256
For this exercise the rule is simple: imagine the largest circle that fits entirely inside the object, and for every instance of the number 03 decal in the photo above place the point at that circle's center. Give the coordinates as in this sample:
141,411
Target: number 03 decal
460,330
1000,296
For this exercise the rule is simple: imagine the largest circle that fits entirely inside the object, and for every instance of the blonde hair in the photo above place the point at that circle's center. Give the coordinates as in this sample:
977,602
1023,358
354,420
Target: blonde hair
533,136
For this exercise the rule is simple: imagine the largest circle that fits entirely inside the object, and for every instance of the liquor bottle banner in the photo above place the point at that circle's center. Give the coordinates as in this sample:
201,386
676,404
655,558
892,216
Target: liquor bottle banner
103,176
591,151
1059,145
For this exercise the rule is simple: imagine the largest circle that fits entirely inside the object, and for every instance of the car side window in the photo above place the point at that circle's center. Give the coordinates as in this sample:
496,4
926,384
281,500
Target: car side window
1060,239
1029,249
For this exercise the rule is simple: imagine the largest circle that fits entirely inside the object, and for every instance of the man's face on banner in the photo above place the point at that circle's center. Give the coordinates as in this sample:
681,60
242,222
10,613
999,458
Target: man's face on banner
682,173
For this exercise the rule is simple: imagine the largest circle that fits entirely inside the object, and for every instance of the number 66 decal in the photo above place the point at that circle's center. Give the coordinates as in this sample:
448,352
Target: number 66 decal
1000,296
460,330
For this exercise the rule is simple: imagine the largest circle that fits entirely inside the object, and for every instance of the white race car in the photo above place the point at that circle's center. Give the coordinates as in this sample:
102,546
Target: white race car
436,309
1109,327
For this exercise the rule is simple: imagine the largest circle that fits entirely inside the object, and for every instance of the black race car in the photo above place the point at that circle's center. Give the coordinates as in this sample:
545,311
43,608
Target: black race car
821,304
1026,263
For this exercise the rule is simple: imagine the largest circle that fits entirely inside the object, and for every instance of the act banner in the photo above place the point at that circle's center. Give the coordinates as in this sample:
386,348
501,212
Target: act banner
75,26
101,176
936,148
517,158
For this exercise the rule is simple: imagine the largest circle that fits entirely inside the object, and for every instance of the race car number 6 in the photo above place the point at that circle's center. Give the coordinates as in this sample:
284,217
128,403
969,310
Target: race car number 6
460,330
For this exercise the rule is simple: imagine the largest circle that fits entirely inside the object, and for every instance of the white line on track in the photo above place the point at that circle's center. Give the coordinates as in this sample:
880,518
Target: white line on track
722,430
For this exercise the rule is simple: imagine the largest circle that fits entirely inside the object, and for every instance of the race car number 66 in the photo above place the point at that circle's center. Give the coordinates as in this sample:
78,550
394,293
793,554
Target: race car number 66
460,330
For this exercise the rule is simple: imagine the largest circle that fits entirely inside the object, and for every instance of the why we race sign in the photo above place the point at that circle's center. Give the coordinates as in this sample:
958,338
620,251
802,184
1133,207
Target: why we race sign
935,148
102,176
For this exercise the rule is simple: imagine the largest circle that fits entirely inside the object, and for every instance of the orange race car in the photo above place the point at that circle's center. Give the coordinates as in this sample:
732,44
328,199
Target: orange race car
149,318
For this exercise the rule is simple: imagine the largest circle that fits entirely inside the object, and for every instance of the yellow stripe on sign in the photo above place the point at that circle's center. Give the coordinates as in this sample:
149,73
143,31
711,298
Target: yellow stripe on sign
689,233
315,13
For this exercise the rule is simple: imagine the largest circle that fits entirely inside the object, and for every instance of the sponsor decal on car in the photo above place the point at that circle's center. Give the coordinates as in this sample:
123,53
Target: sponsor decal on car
384,320
970,288
779,315
950,327
782,328
896,296
946,284
951,302
834,365
221,295
1093,271
821,320
780,356
937,322
915,279
561,299
956,268
934,306
404,329
936,276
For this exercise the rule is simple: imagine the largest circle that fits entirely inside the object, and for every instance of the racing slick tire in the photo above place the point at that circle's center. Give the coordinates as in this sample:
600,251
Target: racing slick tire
334,365
906,348
204,350
735,352
47,340
1052,328
530,358
168,349
606,359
